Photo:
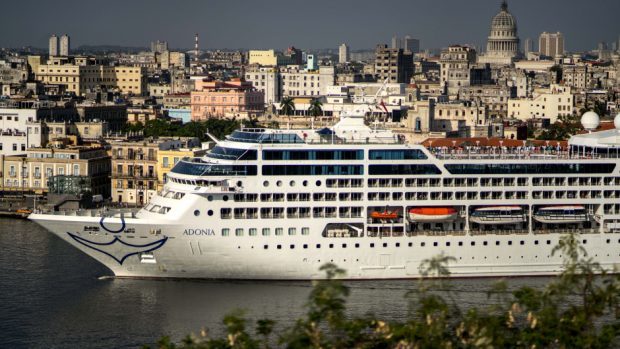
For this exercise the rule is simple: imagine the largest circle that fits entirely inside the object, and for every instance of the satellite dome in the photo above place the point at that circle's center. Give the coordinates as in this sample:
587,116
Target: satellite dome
617,121
590,121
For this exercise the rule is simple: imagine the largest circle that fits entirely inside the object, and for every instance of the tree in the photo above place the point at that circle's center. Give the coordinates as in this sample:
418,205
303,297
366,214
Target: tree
287,106
316,108
580,308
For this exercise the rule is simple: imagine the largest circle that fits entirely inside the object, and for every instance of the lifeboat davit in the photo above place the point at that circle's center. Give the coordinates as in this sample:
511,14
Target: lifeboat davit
498,215
384,215
432,214
561,214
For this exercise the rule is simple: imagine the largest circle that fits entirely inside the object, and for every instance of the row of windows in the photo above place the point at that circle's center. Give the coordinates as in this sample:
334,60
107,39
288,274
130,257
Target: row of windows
397,154
312,170
403,170
313,155
463,169
265,231
398,244
232,153
201,169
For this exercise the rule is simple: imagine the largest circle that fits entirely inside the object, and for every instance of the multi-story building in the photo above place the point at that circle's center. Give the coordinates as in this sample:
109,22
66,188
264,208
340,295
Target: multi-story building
65,45
456,63
134,167
551,44
494,97
159,46
266,80
576,75
463,118
270,58
143,114
343,54
81,79
393,64
527,46
53,46
21,125
296,81
72,170
411,45
221,98
549,103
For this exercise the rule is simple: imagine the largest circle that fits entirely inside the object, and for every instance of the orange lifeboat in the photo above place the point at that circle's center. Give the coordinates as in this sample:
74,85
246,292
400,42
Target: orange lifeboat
432,214
384,215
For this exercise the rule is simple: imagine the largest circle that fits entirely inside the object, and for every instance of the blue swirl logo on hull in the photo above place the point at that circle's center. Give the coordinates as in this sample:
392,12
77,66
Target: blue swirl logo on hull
128,248
113,231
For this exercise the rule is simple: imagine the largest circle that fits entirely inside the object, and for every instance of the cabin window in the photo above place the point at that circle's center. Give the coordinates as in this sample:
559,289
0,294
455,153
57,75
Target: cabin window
225,232
252,232
266,231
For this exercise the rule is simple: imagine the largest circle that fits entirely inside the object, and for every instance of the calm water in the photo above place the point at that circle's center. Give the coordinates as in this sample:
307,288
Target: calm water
53,296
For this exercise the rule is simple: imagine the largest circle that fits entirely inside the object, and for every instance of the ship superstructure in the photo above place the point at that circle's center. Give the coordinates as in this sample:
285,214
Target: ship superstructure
278,204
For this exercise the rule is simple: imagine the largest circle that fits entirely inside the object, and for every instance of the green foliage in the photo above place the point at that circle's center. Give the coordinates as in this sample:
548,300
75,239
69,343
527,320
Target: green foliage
578,309
563,129
316,108
287,106
164,128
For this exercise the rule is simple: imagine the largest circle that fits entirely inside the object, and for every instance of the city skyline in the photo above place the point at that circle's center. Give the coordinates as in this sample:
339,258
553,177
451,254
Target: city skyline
259,25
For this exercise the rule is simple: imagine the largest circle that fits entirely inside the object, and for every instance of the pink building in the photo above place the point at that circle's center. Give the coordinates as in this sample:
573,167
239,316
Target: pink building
213,98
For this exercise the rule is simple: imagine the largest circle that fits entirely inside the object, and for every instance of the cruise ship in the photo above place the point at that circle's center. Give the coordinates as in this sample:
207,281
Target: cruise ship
279,203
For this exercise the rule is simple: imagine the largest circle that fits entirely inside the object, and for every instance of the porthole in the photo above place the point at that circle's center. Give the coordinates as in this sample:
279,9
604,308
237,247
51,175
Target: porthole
210,198
318,183
385,244
196,213
292,183
239,183
265,183
279,183
304,183
210,212
225,198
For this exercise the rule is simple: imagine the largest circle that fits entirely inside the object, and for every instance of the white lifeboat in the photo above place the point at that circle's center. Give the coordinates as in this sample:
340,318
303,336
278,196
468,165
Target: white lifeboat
498,215
561,214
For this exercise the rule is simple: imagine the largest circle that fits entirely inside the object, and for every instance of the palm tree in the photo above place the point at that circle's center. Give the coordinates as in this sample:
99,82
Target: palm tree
287,106
316,108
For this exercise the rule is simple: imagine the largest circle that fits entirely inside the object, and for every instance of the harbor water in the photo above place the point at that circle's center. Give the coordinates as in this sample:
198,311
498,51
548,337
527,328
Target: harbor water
53,296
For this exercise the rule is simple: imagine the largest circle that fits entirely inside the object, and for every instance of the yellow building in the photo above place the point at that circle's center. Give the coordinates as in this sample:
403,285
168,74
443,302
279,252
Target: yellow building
135,167
73,168
166,159
263,57
80,79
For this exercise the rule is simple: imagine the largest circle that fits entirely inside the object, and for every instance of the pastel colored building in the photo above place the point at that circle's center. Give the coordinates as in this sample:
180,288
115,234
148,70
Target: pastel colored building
214,98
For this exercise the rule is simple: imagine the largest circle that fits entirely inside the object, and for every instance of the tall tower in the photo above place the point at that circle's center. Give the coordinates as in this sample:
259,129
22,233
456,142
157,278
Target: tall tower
343,54
53,46
551,44
65,45
527,46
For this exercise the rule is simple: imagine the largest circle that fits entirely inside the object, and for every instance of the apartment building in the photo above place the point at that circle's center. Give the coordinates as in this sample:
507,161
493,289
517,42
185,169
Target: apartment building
81,79
546,103
71,170
135,166
214,98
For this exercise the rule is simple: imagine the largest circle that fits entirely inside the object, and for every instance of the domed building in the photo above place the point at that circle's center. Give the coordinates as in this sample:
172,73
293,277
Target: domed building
503,41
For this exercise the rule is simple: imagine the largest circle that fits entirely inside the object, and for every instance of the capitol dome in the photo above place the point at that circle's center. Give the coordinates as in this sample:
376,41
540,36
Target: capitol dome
504,20
503,41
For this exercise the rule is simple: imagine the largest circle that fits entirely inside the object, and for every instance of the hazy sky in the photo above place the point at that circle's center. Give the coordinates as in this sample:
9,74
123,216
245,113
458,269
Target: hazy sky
305,24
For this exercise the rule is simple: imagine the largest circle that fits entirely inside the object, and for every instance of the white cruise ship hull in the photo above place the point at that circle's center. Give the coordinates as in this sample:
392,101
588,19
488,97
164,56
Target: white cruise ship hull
215,257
